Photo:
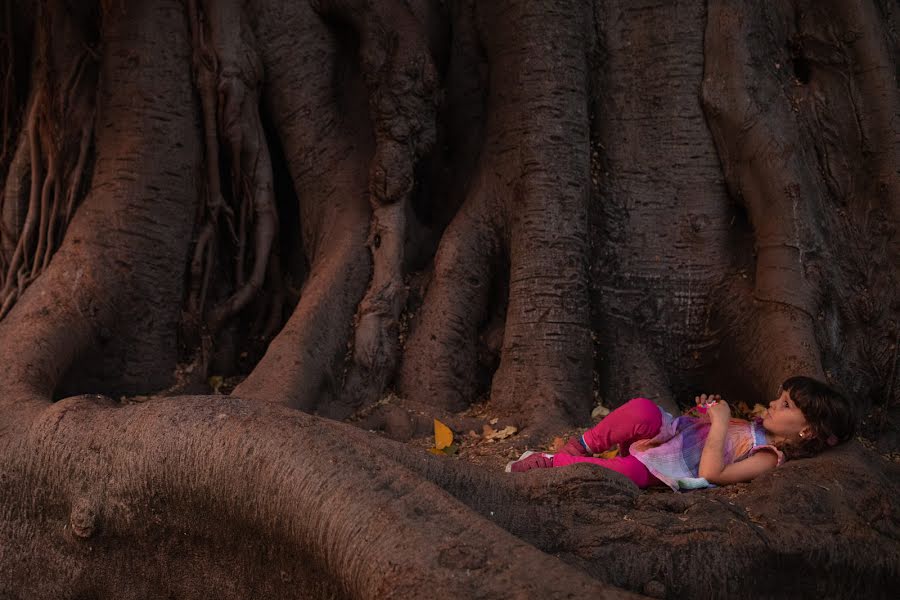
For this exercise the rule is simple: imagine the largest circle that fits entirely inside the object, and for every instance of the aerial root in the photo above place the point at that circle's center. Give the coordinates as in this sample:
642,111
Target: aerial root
240,220
59,115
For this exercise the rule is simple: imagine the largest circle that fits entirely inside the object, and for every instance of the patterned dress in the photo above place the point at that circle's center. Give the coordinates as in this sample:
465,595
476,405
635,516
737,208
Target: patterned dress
673,455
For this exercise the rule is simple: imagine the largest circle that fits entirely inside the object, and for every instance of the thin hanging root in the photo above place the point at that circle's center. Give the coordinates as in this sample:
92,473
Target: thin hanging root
20,257
242,232
276,305
47,192
51,232
13,204
8,301
263,202
205,67
231,118
200,268
78,171
61,107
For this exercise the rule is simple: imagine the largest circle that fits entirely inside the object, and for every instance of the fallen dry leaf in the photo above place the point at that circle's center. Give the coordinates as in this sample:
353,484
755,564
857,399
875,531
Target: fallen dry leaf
502,434
558,443
599,412
610,453
215,382
443,437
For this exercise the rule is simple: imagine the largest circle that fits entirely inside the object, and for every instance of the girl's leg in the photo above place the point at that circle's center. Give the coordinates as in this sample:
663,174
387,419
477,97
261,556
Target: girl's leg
628,466
637,419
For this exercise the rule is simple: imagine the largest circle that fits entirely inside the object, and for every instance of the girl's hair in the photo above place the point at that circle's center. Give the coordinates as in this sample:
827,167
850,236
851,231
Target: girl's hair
827,411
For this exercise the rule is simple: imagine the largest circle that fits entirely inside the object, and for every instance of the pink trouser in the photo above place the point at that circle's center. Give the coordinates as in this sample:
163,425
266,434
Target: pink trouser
637,419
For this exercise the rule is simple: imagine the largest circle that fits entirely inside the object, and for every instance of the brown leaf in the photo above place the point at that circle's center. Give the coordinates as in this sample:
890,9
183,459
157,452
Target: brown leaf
503,433
599,412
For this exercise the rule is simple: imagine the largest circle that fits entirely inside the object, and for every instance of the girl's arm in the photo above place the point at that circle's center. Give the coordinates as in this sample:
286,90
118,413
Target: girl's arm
712,461
745,470
712,467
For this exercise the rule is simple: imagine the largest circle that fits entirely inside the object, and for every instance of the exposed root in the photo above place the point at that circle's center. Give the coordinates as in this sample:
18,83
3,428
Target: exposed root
439,359
60,114
228,75
14,203
402,89
205,248
767,169
544,375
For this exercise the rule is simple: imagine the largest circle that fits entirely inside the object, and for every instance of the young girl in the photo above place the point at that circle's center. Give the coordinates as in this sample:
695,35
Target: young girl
693,452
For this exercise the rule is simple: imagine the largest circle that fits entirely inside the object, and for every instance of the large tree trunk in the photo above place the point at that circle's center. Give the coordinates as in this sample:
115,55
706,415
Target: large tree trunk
524,206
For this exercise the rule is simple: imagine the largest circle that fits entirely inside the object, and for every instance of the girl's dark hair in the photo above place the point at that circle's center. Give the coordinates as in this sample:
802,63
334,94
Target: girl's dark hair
827,411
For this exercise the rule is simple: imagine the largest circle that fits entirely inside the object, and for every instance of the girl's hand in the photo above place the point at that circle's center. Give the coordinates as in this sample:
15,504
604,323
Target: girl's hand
705,400
719,412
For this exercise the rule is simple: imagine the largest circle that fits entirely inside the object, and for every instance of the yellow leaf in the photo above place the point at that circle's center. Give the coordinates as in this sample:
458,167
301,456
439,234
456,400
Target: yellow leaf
443,437
758,410
610,453
215,382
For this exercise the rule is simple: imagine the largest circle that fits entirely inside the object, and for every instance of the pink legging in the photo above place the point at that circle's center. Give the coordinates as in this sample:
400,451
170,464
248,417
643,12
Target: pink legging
637,419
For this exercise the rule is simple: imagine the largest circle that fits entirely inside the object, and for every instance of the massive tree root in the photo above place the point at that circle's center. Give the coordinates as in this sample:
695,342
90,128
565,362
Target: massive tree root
156,493
327,146
260,526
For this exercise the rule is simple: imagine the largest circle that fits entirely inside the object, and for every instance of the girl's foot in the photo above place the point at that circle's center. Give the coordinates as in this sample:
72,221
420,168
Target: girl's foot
530,460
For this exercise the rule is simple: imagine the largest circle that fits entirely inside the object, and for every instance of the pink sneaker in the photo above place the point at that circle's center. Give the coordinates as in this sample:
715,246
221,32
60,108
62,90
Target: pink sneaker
574,447
530,460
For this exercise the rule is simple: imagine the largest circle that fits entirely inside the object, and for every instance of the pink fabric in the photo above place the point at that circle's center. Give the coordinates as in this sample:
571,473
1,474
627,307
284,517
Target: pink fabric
637,419
628,466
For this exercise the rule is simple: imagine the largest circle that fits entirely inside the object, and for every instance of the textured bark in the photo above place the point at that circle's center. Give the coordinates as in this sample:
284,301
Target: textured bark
109,288
535,218
388,212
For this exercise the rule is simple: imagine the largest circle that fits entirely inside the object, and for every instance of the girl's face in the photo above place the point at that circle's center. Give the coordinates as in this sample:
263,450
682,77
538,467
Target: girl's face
784,420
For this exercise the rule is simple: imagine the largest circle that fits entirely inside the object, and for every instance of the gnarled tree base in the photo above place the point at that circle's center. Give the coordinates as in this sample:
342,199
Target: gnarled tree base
180,497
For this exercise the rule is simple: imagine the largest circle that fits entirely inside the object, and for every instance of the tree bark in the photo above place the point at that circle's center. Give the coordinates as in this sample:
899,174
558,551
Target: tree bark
386,212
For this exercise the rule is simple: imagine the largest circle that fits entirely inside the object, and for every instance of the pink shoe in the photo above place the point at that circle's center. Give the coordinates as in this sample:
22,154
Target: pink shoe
574,447
530,460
